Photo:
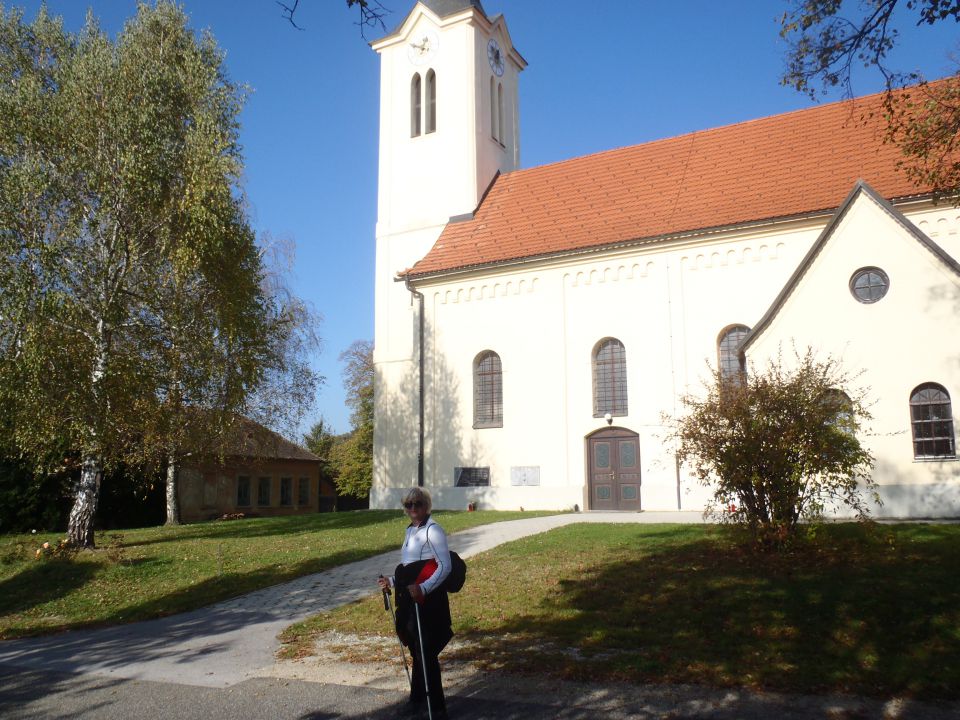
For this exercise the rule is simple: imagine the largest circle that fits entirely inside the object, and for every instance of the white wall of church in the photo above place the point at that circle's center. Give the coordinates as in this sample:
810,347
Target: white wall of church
667,306
909,337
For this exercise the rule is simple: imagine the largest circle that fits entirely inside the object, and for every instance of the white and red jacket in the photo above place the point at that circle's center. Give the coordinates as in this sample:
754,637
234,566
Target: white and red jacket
427,541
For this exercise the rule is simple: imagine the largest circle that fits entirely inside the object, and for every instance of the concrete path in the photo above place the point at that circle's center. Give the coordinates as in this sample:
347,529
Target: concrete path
233,641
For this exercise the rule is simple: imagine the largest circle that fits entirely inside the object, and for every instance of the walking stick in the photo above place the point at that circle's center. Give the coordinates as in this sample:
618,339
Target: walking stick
403,655
423,660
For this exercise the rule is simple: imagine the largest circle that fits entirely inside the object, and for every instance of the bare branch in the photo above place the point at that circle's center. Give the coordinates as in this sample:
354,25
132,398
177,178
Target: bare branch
289,12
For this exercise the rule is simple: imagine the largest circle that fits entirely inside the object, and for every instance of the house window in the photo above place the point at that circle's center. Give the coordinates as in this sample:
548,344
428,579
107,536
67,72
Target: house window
303,491
431,101
728,352
263,491
471,476
869,284
286,491
487,391
609,378
415,105
243,491
931,419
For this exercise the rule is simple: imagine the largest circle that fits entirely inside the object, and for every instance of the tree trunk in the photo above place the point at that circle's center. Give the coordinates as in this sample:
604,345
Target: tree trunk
87,492
173,506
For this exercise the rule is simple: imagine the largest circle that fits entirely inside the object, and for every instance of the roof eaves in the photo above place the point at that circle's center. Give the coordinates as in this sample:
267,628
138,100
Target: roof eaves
606,247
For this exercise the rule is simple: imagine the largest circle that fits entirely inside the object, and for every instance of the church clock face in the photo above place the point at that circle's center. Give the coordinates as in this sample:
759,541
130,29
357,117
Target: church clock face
495,57
422,46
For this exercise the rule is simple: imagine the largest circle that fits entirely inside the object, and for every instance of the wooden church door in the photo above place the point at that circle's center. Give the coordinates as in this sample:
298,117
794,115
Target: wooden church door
614,470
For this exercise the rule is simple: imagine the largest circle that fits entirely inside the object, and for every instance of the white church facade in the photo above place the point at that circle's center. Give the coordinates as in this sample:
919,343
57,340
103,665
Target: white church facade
534,327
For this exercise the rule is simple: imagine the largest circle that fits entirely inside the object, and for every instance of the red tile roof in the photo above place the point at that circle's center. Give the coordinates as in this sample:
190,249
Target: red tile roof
786,165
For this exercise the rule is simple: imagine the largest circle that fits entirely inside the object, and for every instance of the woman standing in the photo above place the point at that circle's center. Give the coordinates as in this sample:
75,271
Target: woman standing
419,580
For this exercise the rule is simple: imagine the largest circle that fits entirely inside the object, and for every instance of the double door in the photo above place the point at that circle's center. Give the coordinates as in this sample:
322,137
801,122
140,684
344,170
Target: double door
614,462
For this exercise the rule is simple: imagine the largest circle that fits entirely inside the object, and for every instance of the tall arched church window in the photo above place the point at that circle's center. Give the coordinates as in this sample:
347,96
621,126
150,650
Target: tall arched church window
431,101
728,352
931,419
502,134
609,378
487,390
415,105
493,108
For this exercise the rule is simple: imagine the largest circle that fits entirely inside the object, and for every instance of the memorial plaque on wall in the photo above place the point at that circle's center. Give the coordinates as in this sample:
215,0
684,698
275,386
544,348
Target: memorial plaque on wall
525,475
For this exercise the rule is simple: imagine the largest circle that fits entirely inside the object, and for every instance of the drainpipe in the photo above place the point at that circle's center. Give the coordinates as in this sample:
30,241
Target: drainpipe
419,297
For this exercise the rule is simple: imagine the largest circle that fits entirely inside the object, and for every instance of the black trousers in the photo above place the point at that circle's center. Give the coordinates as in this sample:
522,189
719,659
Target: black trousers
418,693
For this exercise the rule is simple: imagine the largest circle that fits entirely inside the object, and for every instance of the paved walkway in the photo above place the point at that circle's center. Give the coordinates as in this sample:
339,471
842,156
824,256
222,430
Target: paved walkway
233,641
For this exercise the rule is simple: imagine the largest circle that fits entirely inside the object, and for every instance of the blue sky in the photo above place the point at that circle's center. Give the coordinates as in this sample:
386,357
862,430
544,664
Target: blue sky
602,74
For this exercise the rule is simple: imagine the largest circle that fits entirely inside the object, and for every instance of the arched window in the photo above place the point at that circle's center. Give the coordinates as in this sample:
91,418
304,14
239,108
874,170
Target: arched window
487,390
431,101
493,108
728,352
839,410
415,104
931,419
503,133
609,378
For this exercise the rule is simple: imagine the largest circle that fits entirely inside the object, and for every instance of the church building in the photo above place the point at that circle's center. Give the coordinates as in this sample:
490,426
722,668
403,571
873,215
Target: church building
535,326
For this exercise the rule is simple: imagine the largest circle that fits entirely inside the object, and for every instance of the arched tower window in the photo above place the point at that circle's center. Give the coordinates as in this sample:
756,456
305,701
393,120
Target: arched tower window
609,378
493,108
431,101
487,390
415,105
502,134
728,352
931,419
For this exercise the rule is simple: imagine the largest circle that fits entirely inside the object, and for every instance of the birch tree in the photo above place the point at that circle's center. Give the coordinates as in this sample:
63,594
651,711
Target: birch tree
131,281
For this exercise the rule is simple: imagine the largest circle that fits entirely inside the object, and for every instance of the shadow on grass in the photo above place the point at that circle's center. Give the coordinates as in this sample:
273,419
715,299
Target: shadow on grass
41,582
198,595
870,612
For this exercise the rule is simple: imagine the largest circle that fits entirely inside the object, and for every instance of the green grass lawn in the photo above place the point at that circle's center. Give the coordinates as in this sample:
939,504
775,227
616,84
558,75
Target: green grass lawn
149,572
865,609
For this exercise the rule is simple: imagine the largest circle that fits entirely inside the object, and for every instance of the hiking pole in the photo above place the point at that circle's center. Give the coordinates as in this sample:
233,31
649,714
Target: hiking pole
403,655
423,660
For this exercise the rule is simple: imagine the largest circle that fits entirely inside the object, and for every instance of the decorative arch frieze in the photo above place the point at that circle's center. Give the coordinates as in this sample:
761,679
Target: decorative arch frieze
733,256
490,290
614,272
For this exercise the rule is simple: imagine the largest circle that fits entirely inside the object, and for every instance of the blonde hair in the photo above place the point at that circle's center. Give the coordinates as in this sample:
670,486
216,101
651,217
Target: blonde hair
418,493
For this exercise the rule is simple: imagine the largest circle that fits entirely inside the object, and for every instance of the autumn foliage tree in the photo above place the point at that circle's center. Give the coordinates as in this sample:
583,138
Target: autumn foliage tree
829,39
779,445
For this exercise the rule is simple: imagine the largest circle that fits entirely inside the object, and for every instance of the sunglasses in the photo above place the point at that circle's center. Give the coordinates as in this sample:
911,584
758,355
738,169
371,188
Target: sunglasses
414,504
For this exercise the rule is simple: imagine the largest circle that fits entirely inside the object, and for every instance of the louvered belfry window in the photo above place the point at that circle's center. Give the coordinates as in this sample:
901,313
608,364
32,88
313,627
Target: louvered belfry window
609,378
487,391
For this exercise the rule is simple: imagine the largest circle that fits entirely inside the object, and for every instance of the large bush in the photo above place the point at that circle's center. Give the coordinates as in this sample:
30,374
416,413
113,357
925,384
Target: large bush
779,445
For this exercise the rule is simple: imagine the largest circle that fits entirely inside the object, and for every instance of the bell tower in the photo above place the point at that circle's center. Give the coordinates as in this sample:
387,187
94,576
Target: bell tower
448,113
449,122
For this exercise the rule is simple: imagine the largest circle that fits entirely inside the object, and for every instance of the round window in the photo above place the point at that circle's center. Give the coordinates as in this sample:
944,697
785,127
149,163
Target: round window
869,284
